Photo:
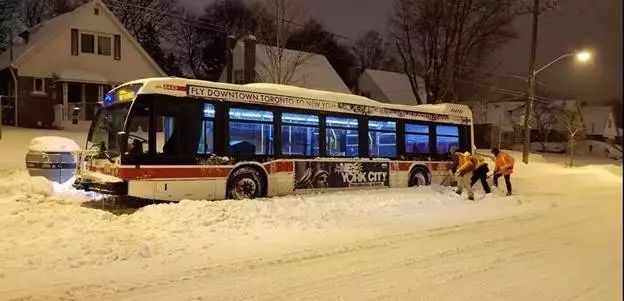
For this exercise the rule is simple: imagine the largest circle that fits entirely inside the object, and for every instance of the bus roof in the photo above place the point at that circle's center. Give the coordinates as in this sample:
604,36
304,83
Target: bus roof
301,98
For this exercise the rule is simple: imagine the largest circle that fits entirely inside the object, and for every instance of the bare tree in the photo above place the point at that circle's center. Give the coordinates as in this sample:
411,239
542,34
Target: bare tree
189,43
545,121
403,24
372,51
276,29
8,21
200,40
572,122
141,16
446,41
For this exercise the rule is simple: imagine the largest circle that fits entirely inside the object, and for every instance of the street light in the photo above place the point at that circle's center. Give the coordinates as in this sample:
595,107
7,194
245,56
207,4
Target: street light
581,56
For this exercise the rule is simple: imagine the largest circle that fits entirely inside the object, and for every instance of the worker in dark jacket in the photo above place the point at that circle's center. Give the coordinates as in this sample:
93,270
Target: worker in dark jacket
480,172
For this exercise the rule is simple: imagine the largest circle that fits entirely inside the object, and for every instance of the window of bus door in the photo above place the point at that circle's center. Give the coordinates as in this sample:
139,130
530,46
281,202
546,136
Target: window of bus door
250,132
138,129
446,137
342,136
300,134
179,127
382,139
417,138
206,139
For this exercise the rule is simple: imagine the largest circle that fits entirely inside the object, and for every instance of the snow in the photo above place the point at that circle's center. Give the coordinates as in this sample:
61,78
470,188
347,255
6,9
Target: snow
391,87
53,144
15,142
59,243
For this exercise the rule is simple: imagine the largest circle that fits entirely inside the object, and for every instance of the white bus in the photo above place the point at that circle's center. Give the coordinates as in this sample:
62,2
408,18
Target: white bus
175,138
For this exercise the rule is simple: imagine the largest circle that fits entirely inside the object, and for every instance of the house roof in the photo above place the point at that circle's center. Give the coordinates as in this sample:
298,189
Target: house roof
395,86
596,116
314,73
42,33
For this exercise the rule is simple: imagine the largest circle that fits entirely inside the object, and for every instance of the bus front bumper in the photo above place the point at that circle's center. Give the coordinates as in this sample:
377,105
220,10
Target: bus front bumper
112,188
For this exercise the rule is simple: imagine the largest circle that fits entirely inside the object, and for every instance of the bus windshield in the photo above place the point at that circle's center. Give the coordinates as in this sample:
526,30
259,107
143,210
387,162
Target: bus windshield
108,122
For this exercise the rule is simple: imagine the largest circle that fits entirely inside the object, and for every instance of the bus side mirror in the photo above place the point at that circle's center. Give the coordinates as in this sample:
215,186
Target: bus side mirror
122,141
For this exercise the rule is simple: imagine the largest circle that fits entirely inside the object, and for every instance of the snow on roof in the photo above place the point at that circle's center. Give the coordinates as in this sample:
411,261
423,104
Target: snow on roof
40,33
44,32
315,72
395,86
82,76
595,118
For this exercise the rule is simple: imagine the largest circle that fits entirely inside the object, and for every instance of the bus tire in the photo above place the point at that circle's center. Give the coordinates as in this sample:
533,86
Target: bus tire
245,183
419,177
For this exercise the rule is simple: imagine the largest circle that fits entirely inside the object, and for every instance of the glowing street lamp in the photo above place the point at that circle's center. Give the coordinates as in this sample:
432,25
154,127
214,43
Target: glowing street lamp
581,56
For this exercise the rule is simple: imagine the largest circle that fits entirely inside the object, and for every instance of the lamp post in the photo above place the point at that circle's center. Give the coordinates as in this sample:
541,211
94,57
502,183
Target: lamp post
581,56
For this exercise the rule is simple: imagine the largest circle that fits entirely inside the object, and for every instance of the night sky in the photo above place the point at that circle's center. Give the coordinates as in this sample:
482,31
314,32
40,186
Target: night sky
575,24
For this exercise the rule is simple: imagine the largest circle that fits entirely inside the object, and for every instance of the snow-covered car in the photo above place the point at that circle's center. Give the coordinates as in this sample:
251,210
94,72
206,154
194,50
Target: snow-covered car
53,158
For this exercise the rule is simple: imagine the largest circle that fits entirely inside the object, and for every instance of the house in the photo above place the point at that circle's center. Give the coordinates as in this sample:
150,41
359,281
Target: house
298,68
70,61
502,122
599,122
390,87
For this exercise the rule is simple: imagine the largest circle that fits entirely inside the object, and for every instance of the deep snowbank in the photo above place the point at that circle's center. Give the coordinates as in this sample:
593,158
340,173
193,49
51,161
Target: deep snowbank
44,229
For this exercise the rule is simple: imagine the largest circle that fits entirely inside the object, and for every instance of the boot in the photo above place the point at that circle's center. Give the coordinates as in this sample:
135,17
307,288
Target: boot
508,193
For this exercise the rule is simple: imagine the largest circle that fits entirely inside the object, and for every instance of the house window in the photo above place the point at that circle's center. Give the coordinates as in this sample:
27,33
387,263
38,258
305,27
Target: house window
117,47
87,43
104,45
38,85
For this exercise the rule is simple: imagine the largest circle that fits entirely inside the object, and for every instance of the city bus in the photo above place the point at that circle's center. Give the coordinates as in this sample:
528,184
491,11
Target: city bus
174,138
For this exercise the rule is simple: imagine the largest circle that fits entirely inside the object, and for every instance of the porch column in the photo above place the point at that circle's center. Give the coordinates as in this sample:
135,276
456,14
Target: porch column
83,107
65,102
100,93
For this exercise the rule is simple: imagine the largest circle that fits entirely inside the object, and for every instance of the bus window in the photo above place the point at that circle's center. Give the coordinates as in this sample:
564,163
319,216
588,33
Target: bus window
206,139
181,128
446,136
138,129
342,137
300,134
251,132
382,138
416,138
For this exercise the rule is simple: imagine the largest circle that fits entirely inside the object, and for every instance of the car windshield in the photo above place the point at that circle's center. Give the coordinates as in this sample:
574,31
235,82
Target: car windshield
108,122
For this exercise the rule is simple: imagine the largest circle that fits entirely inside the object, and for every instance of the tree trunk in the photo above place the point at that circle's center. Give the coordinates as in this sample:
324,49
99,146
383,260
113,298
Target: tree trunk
572,152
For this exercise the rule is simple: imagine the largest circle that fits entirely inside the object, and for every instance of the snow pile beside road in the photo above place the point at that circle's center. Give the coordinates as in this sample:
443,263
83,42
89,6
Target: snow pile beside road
46,230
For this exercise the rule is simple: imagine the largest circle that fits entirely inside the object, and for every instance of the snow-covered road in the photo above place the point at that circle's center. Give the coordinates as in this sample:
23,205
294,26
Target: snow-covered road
558,238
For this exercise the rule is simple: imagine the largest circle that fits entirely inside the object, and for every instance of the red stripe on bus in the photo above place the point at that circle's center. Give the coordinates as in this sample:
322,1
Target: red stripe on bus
169,173
280,166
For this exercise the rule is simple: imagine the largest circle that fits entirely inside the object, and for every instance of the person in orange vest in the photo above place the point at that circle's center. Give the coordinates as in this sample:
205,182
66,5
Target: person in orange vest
461,168
480,172
504,164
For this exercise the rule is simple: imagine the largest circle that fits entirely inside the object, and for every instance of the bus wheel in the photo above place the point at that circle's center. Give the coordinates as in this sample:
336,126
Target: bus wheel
418,178
245,184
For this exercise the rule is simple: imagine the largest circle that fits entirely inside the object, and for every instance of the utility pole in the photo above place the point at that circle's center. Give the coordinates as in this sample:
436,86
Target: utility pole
529,105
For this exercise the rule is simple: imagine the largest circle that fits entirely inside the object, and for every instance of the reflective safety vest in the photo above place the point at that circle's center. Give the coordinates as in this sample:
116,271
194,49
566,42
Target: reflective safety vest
464,163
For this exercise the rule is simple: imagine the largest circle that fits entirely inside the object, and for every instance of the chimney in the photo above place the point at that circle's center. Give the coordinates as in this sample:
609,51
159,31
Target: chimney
230,44
25,36
356,73
250,58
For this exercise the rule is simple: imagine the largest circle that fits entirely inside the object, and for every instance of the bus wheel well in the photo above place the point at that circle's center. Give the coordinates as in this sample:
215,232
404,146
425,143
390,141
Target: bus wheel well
419,175
250,168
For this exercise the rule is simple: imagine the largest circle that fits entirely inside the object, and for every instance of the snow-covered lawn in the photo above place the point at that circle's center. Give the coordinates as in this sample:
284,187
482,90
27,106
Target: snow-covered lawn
56,244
